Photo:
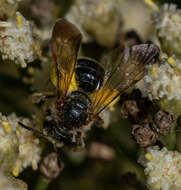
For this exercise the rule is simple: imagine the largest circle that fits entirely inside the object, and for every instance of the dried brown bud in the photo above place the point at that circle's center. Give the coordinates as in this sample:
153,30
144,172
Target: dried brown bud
144,134
101,151
49,167
129,108
163,122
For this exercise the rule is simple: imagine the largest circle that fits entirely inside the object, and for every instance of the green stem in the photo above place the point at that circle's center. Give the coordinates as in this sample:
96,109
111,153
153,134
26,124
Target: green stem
42,184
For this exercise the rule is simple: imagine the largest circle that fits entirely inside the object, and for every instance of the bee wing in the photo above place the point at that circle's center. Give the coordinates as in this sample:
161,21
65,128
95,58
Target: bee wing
65,43
122,70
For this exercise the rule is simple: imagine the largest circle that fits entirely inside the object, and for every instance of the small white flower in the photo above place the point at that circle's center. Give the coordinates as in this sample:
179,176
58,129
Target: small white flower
162,80
19,146
8,8
162,168
8,182
16,41
96,19
167,22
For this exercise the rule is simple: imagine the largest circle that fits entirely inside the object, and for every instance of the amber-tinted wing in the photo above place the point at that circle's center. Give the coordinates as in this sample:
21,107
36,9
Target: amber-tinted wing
65,44
123,69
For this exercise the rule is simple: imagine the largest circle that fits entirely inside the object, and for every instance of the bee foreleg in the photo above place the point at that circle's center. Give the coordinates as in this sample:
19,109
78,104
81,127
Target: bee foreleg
31,129
41,97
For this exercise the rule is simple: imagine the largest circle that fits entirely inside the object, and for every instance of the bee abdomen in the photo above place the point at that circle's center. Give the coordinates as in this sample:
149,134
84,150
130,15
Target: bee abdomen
89,75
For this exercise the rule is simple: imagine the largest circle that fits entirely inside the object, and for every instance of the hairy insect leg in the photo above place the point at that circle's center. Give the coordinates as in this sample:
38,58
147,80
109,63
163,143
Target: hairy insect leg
41,97
32,129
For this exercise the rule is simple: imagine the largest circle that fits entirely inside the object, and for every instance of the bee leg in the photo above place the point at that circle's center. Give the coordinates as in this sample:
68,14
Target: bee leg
41,97
99,122
58,138
31,129
63,136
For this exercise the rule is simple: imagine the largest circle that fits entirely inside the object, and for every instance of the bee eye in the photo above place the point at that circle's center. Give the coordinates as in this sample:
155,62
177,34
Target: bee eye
89,75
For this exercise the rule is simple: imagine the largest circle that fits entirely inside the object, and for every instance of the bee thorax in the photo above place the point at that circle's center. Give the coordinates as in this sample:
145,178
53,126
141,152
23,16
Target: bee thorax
74,112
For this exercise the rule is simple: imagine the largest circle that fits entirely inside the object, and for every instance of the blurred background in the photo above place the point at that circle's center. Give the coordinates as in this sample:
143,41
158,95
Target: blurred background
109,160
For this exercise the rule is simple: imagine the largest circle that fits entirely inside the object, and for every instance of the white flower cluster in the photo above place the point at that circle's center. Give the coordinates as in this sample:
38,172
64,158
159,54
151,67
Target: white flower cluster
8,8
168,25
162,168
96,19
19,146
16,41
163,80
8,182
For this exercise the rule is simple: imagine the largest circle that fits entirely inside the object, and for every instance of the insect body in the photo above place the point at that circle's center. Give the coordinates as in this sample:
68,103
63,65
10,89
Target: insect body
95,85
71,116
89,75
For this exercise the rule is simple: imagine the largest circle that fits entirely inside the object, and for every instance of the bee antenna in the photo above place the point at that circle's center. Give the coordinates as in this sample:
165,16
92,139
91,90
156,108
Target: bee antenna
31,129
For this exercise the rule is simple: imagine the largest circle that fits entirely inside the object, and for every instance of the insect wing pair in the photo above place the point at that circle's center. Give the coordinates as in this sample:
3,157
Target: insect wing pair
84,87
119,71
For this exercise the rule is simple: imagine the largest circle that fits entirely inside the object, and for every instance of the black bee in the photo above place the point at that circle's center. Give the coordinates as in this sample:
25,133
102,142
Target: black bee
84,86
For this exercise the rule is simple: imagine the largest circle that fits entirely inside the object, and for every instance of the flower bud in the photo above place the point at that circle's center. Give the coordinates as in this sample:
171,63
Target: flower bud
129,108
144,134
163,121
49,167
